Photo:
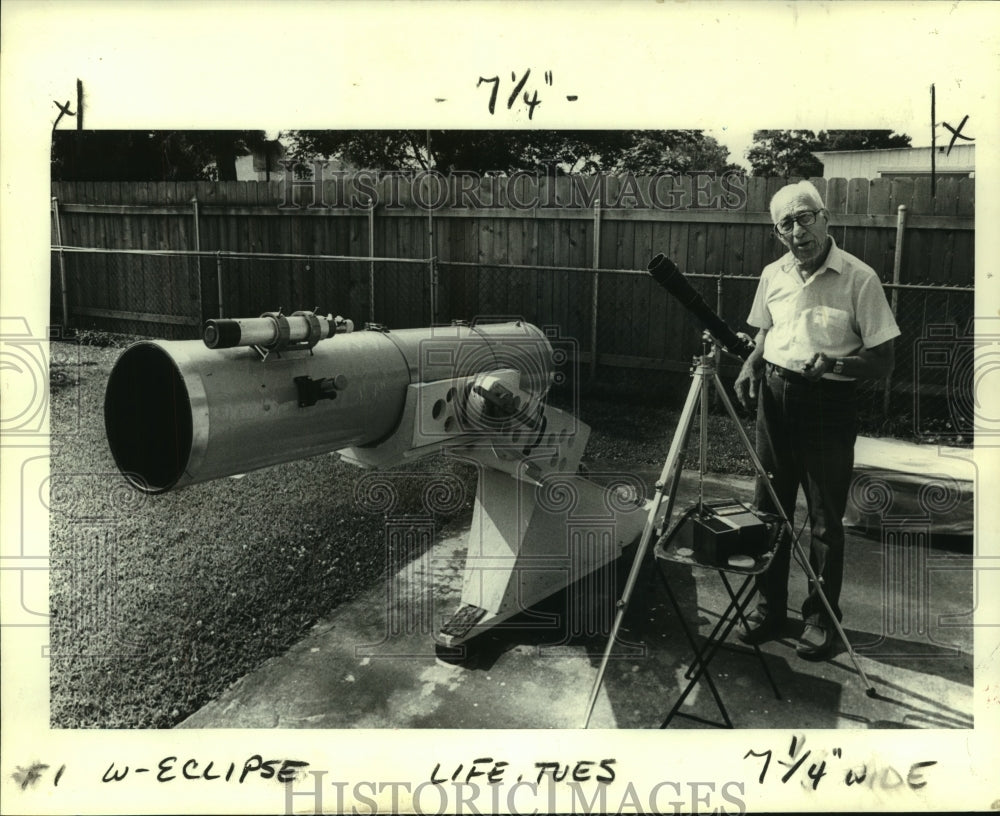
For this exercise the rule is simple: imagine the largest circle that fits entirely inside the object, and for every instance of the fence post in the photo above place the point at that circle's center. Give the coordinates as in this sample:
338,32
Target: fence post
897,261
218,279
933,143
197,248
595,289
371,263
897,265
62,262
432,264
718,310
434,284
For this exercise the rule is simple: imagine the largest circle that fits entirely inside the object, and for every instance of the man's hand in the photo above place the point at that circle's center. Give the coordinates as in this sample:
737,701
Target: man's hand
874,363
819,365
746,383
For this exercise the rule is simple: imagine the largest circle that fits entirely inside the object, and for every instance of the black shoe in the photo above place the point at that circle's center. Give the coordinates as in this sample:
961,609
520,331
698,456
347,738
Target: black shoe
816,641
761,627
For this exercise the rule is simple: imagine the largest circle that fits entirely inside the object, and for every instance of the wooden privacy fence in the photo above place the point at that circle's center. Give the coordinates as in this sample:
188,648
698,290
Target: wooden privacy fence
568,252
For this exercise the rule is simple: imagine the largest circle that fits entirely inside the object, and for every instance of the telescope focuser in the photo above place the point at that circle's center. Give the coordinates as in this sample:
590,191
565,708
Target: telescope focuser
273,331
311,391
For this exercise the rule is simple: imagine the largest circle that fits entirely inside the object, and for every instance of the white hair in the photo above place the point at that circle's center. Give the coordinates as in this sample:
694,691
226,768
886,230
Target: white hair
802,190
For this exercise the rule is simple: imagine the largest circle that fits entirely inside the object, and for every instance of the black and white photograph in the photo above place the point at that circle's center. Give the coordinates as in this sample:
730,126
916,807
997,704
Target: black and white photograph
509,430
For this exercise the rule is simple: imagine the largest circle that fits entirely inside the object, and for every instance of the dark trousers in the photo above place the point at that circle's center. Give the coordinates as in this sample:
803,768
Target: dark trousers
805,436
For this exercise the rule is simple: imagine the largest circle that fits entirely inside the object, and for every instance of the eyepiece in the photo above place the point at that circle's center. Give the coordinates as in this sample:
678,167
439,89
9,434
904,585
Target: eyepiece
222,333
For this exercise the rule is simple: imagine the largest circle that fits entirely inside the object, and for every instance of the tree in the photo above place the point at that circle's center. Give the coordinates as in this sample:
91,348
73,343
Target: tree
489,152
678,151
862,140
787,153
484,152
155,155
784,153
384,149
115,155
227,145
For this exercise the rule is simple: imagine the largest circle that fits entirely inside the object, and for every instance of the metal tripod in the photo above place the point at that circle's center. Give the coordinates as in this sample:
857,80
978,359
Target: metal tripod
705,375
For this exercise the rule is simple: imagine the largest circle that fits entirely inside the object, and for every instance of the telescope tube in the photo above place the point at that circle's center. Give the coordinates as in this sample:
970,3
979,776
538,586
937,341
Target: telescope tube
666,273
177,413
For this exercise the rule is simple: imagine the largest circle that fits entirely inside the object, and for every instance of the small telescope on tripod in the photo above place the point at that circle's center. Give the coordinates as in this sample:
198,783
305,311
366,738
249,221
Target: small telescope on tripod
724,528
714,535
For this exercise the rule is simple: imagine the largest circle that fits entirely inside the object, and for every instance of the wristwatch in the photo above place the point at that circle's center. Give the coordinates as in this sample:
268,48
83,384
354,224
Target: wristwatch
838,366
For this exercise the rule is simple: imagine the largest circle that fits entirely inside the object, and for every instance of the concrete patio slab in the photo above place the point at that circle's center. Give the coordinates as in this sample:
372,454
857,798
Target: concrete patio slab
373,664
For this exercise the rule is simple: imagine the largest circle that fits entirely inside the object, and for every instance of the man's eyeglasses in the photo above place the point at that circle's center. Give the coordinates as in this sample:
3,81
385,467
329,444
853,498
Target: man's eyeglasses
803,219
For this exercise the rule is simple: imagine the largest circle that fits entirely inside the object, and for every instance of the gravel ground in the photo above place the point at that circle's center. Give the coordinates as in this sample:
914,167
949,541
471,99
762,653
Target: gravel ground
160,603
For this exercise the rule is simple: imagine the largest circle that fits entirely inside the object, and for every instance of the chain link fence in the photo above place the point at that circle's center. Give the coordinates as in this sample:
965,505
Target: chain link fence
148,293
395,293
170,294
560,297
620,321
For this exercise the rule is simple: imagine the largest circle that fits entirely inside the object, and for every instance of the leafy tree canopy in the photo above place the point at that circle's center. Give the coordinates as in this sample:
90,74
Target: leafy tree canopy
680,151
118,155
489,152
153,155
787,153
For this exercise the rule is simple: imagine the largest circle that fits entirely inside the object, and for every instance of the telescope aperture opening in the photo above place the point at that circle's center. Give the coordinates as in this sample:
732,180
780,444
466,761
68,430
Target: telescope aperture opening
147,416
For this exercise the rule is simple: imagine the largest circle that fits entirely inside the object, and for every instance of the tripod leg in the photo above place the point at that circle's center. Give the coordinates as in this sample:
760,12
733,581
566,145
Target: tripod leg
669,479
794,543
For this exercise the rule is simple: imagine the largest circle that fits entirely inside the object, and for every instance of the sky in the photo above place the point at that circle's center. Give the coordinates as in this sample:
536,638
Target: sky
738,140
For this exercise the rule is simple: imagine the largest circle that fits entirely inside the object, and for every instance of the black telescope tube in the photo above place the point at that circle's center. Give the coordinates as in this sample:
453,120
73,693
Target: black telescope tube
666,273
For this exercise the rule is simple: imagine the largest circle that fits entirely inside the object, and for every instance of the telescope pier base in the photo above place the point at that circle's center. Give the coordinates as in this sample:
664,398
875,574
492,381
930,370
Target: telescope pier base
531,539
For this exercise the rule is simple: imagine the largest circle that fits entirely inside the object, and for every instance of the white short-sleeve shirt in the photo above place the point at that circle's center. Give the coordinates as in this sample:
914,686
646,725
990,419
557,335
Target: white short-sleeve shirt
838,310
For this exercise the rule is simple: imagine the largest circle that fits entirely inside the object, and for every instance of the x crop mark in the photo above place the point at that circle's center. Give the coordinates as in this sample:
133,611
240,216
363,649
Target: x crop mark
956,133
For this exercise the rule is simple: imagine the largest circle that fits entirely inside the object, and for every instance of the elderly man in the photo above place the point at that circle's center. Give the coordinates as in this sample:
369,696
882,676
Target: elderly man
824,323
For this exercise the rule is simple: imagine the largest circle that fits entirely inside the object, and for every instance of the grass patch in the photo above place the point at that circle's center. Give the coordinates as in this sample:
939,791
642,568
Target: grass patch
201,586
641,435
